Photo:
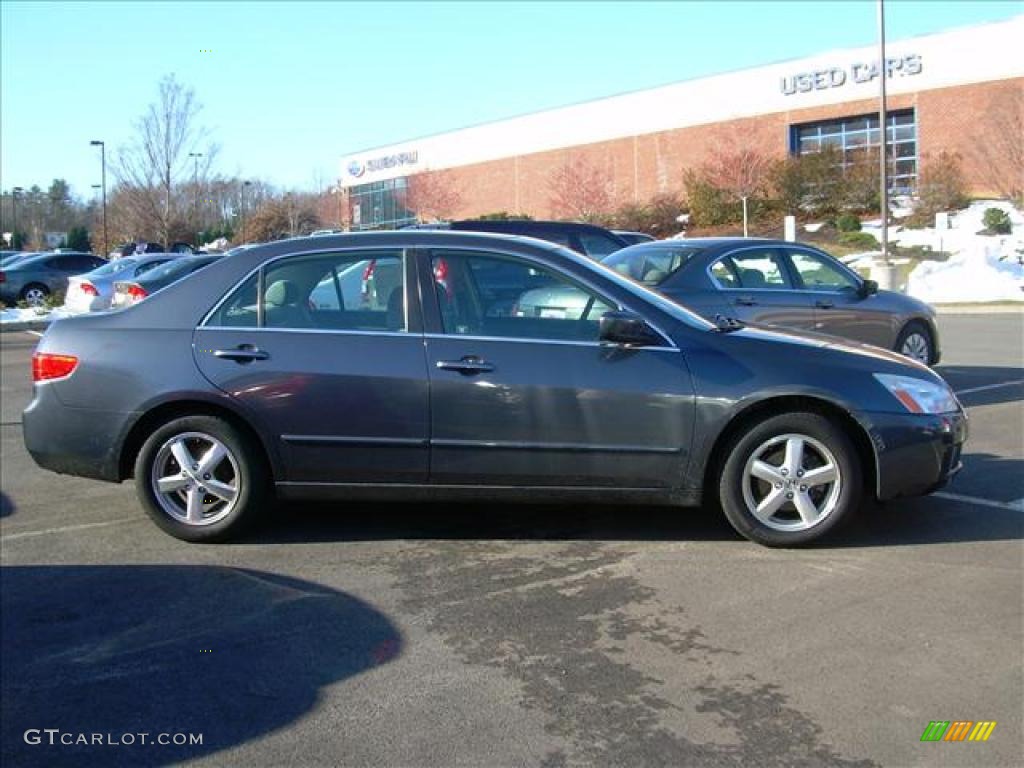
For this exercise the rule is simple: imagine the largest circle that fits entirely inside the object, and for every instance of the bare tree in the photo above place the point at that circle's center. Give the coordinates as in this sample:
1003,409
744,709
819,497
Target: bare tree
738,168
580,191
433,195
999,156
152,168
293,214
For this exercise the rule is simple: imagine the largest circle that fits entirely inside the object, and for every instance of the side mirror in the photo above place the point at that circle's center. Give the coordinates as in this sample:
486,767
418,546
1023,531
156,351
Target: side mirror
627,328
867,288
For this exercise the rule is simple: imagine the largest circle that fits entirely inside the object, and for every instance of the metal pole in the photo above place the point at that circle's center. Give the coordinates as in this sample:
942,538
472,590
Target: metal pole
195,183
883,164
745,216
103,175
14,204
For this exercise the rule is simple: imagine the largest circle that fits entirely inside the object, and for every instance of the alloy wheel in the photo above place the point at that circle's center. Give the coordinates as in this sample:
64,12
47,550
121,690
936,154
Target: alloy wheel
195,479
791,482
35,297
917,347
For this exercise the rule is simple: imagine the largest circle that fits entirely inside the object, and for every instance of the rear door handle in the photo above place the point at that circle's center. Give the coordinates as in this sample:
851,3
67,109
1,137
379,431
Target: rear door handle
746,301
243,353
467,366
824,304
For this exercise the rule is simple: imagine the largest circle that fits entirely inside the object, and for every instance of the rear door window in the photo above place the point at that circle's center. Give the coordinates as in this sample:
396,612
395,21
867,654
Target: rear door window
761,269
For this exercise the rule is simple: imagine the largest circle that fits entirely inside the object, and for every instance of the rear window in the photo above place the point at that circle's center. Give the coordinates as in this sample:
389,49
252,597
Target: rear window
650,266
113,267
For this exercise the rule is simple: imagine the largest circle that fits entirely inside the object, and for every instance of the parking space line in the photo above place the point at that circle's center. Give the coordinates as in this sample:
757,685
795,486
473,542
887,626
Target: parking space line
66,528
1012,506
972,390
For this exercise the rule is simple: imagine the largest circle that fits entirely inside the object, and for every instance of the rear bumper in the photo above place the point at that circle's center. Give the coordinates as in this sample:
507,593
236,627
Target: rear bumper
916,453
73,441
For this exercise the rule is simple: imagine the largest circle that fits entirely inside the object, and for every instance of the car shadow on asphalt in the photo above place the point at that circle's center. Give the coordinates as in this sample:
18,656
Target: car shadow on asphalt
228,653
6,505
900,522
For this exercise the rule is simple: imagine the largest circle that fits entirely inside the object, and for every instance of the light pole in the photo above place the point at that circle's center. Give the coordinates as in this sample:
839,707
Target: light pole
195,183
886,272
103,176
245,184
14,205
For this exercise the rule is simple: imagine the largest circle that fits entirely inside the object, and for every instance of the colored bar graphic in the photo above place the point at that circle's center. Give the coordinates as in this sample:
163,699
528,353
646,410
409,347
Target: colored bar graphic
983,730
958,730
935,731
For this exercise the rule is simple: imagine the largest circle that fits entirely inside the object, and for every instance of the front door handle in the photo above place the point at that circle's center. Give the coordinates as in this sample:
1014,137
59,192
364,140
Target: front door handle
746,301
470,365
824,304
243,353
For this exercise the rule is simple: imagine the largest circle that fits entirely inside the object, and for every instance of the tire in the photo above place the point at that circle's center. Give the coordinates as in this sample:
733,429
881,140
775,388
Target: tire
35,294
769,449
239,488
916,342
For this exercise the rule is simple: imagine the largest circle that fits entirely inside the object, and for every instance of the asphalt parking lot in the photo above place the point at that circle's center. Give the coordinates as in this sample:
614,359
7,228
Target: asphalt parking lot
428,635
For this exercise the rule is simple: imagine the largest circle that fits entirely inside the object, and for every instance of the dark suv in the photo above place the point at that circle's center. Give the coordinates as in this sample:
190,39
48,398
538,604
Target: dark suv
588,239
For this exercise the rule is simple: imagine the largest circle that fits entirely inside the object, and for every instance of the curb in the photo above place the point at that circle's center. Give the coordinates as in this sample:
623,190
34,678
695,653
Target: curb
25,325
1003,308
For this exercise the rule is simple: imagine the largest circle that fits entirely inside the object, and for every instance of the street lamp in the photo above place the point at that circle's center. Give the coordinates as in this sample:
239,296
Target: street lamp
195,183
103,175
886,273
14,204
245,184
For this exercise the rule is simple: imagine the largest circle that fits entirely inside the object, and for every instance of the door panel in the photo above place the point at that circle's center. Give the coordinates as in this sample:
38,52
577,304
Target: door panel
345,404
838,308
760,289
529,398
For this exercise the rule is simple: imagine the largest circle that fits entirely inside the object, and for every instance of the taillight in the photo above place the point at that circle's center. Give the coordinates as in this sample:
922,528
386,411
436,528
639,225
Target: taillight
89,289
136,292
441,270
3,277
46,366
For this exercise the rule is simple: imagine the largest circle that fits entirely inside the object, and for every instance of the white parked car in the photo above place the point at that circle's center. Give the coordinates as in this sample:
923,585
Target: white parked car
93,291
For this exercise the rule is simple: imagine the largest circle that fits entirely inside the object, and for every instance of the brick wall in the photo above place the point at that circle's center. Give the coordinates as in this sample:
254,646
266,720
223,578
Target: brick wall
958,119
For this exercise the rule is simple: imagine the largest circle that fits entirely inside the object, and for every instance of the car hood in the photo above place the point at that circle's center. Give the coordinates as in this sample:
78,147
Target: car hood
823,341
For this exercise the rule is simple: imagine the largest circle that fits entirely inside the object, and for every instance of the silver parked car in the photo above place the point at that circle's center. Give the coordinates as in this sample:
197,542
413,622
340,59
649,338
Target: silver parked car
94,290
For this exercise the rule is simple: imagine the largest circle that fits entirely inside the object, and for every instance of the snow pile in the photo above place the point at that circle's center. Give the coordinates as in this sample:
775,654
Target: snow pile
980,268
32,315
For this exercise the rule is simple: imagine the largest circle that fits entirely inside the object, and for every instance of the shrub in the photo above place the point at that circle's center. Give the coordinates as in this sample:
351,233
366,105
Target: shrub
848,222
709,206
996,221
858,240
941,187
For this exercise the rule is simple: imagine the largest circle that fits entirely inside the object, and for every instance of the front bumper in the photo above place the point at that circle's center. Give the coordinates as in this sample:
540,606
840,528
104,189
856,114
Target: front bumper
915,453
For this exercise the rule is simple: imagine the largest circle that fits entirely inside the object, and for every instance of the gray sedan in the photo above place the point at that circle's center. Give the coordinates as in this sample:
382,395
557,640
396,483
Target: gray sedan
32,280
774,282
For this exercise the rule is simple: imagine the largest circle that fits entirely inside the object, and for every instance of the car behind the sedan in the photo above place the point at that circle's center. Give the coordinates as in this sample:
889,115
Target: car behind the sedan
94,290
36,278
136,288
295,369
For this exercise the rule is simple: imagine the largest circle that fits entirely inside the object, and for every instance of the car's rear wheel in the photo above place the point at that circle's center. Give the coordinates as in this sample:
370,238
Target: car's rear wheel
916,342
200,479
35,294
790,479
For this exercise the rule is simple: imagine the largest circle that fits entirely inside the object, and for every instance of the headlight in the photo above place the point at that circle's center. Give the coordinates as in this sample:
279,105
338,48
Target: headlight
918,395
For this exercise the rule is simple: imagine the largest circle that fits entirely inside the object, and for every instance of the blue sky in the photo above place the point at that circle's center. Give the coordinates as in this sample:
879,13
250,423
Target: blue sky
288,88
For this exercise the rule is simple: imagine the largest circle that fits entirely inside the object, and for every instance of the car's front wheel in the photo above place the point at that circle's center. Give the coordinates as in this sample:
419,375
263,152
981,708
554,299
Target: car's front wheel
200,479
35,294
916,342
790,479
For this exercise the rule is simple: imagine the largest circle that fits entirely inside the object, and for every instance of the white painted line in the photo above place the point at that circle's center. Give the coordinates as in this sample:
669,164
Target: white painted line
972,390
1013,506
67,528
36,333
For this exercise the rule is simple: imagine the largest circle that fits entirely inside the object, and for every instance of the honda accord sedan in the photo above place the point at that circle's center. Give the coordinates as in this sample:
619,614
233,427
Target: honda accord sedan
234,384
776,282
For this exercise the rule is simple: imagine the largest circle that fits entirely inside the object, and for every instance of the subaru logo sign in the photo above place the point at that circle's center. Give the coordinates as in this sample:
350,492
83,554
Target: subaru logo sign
356,168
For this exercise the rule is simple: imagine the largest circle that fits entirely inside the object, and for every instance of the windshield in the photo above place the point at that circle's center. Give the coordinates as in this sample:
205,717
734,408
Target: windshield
650,265
112,268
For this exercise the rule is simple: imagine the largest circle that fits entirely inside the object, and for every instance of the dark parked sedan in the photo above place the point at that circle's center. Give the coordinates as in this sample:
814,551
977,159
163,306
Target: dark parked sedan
33,279
235,383
127,292
774,282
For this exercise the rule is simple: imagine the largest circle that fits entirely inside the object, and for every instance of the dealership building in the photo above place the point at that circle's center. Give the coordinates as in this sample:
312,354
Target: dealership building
958,91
